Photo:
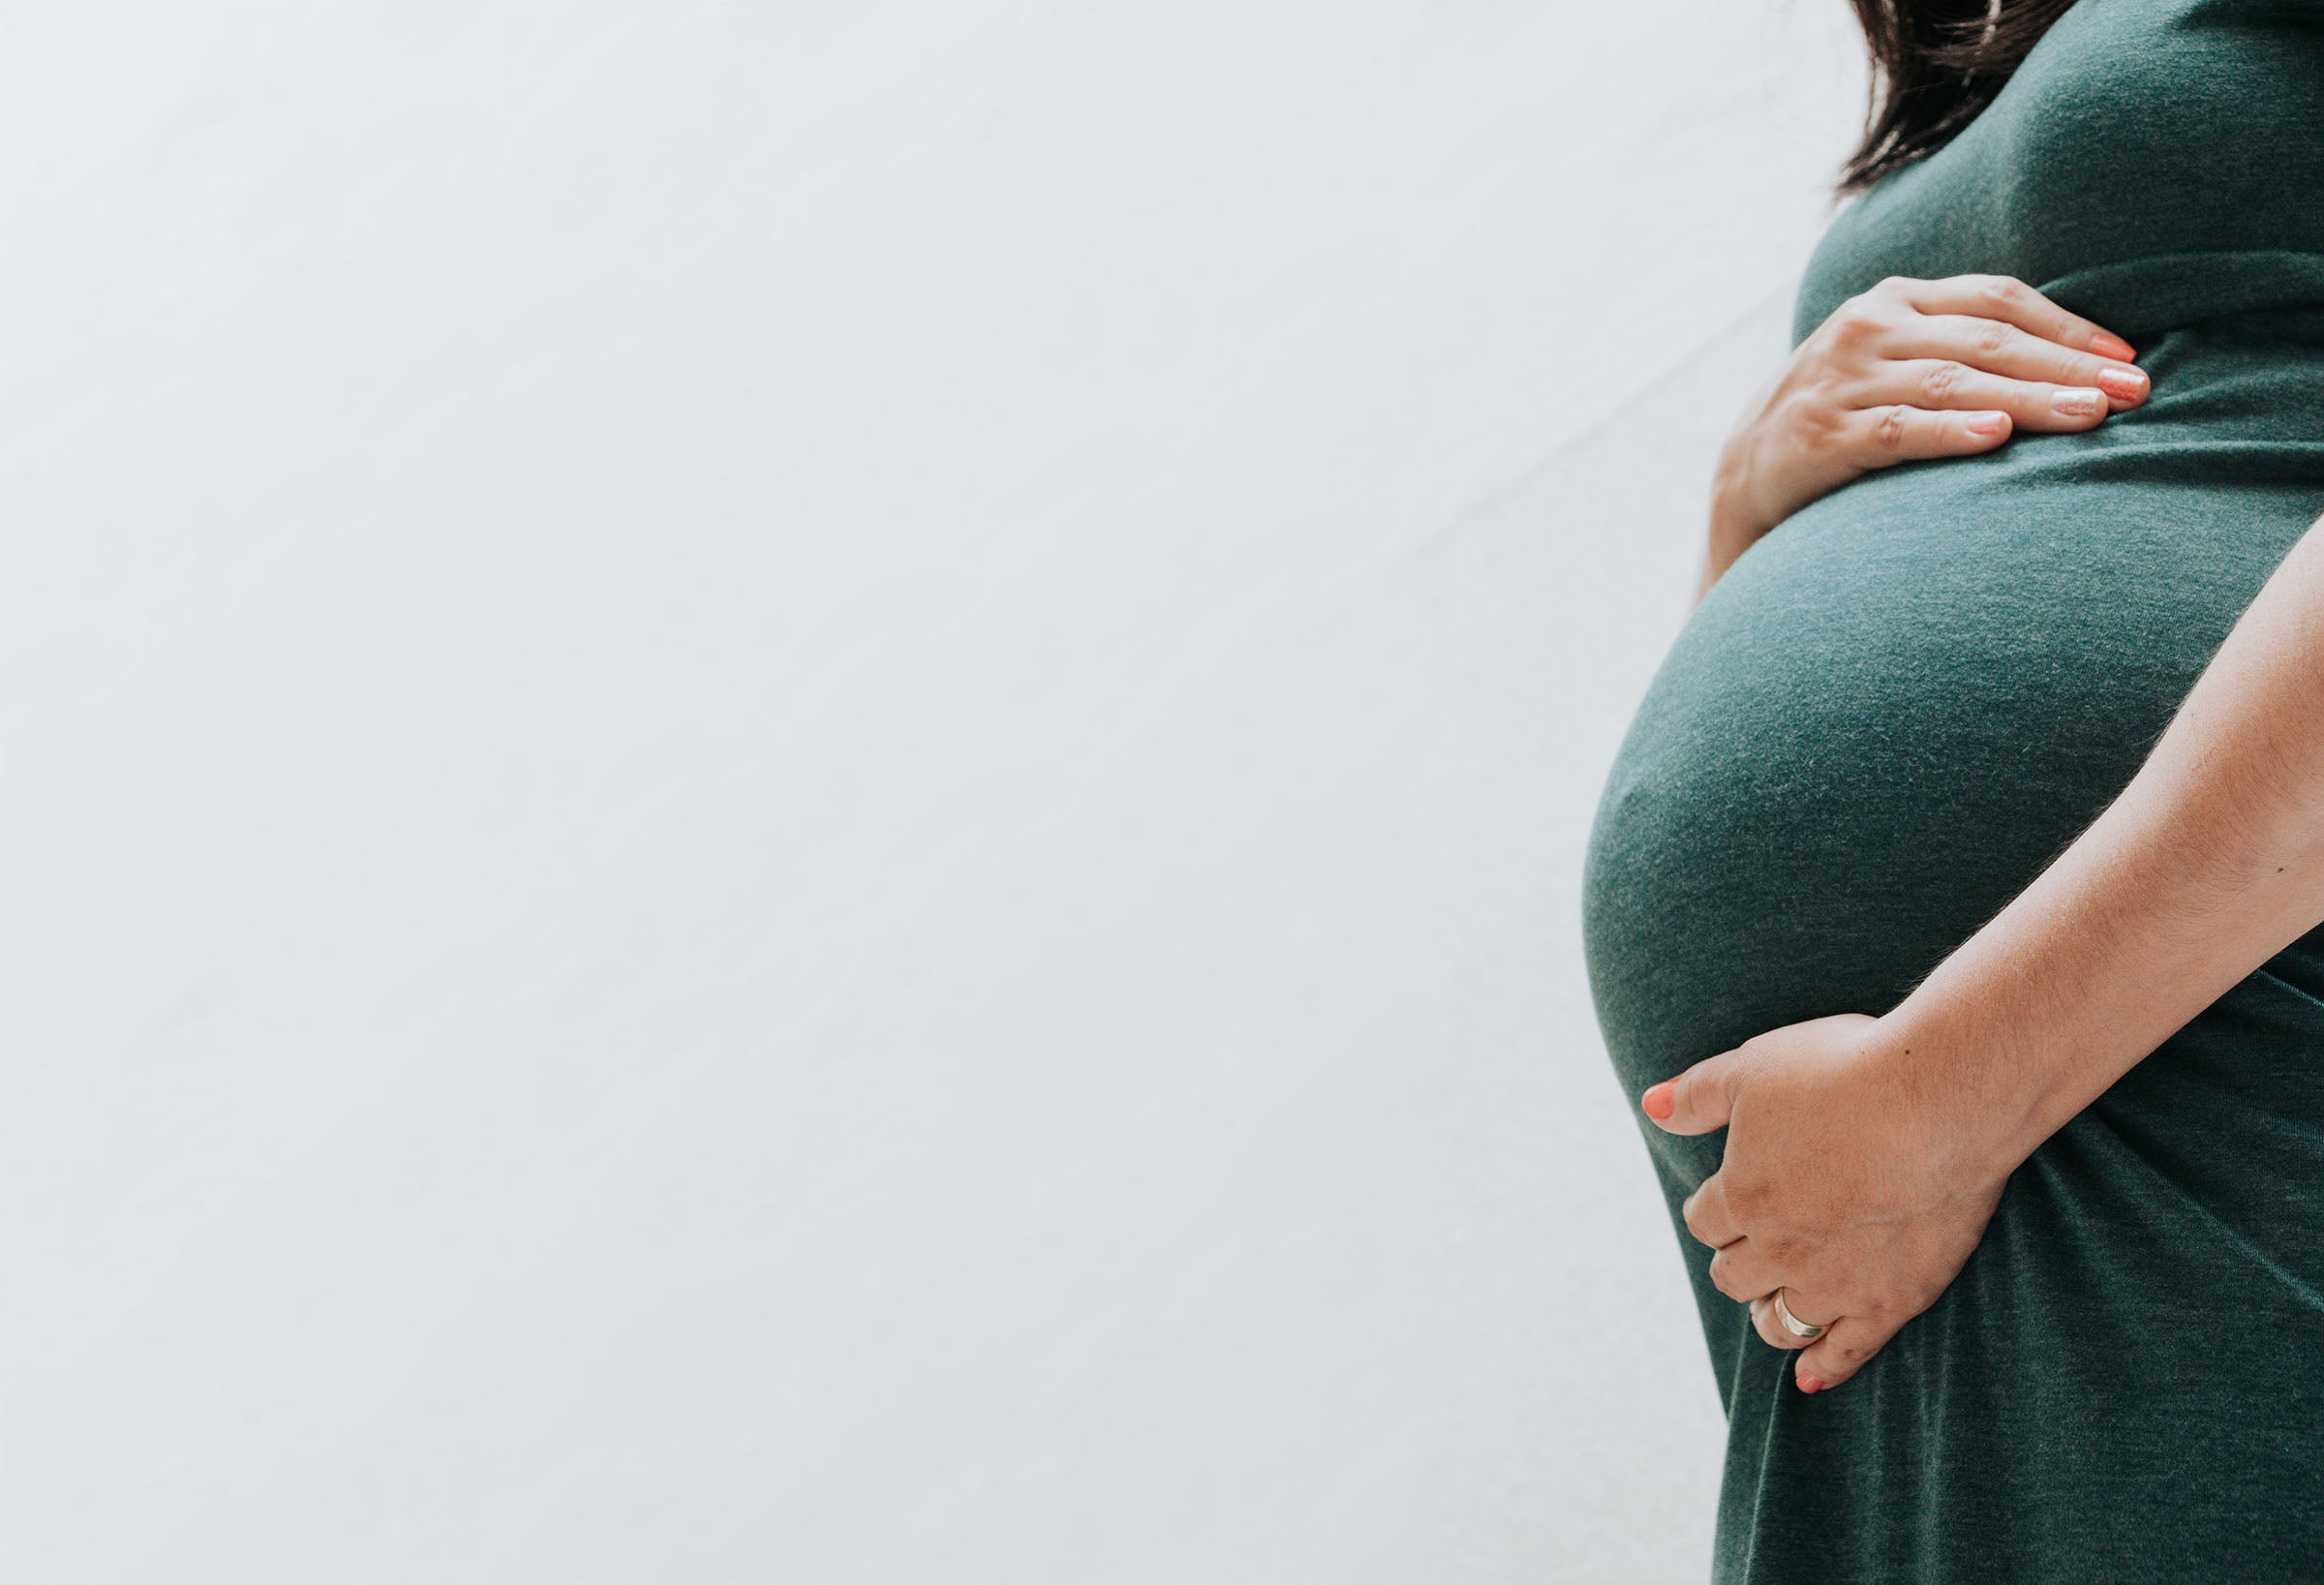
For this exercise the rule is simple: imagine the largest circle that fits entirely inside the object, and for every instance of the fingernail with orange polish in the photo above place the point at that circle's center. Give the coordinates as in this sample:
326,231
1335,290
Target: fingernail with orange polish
2112,347
1808,1384
1657,1101
2122,385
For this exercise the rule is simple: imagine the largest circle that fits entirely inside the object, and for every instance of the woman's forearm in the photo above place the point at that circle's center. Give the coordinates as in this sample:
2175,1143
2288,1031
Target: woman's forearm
2209,863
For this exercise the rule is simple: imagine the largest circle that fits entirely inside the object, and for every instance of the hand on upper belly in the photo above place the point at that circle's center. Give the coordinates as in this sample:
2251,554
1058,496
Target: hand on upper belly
1856,1191
1908,372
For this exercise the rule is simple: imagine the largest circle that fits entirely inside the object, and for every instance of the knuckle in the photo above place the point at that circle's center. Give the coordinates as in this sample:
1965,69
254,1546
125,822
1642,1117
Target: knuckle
1786,1249
1816,416
1889,429
1942,380
1858,320
2004,290
1747,1199
1822,396
1992,335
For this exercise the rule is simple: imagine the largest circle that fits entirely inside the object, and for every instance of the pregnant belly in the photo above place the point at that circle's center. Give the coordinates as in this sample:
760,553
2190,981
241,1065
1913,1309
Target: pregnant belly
1887,718
1881,724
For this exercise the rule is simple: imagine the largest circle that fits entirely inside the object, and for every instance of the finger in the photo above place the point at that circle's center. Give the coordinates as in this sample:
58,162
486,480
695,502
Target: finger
1936,384
1707,1214
2006,298
1770,1330
1696,1101
1878,437
2004,349
1745,1269
1841,1352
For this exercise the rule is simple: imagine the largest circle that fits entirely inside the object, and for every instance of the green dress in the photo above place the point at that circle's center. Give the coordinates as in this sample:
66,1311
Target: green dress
1890,715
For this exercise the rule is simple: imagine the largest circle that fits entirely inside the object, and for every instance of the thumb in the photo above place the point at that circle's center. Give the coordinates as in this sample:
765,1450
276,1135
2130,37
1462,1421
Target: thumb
1841,1352
1699,1100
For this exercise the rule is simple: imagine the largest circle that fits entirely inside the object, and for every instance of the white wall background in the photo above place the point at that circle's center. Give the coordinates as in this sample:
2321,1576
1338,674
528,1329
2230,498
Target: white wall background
794,791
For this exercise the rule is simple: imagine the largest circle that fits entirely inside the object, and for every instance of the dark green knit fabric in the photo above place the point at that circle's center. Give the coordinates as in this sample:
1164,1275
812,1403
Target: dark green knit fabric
1890,715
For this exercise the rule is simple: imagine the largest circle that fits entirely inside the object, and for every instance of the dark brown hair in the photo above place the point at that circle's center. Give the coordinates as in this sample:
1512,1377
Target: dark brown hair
1935,64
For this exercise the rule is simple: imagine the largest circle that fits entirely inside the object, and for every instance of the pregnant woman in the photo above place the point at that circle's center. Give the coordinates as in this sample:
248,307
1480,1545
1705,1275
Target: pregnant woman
1953,903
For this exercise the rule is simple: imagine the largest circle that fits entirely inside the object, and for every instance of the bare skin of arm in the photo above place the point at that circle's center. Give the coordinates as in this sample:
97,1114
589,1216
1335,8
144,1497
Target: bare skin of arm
1865,1156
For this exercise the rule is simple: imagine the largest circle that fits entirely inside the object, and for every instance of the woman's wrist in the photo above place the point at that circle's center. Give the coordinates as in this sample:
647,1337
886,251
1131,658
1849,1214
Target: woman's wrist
1977,1079
1734,525
2064,990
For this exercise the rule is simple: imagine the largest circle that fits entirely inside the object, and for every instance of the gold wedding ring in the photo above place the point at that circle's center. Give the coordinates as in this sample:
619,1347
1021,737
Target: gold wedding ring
1792,1324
